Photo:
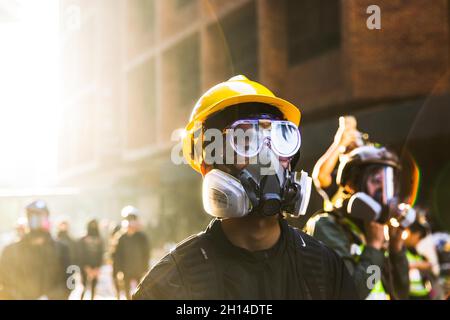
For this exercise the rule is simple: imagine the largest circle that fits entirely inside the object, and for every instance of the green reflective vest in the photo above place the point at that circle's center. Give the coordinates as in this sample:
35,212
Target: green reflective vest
378,292
417,287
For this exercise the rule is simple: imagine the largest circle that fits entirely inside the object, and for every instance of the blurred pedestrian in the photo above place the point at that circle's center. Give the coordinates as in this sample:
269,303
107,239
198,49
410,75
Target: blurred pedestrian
91,257
427,245
443,249
420,269
113,240
132,253
35,266
64,237
21,227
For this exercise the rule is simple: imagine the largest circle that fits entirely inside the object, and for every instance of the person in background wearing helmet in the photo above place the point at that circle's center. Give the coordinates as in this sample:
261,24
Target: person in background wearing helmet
91,257
420,270
346,139
132,253
355,227
248,251
35,266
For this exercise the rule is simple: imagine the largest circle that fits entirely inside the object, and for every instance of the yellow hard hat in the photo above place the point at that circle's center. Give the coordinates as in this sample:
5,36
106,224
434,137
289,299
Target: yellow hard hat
236,90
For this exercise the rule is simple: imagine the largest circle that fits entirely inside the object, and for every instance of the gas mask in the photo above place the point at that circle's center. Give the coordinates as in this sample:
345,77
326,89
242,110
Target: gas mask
384,206
38,216
264,186
38,222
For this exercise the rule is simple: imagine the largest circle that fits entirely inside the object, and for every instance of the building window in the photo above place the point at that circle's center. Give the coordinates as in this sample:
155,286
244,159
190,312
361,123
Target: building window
140,25
141,98
180,4
183,68
77,142
142,15
313,28
240,31
79,58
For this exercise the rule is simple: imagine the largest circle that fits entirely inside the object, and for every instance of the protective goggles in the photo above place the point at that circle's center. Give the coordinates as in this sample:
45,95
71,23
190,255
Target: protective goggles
247,137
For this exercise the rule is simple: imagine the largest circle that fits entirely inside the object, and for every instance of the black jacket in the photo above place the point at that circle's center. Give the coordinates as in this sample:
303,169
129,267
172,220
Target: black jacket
33,267
72,247
209,266
90,250
132,255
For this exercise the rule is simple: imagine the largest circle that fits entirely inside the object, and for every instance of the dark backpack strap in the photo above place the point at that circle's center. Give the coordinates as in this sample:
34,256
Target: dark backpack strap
199,269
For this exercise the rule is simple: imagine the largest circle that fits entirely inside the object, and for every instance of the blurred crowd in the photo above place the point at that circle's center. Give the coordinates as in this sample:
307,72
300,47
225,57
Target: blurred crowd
38,265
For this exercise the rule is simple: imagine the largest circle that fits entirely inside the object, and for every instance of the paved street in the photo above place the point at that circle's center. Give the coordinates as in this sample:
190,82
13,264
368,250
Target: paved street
105,287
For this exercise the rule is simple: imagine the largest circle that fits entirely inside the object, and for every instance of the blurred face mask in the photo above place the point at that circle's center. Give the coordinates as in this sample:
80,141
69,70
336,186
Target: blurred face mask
39,222
264,186
131,224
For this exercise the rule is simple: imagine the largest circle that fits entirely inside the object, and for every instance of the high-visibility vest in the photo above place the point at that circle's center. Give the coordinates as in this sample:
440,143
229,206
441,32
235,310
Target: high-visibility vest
378,292
417,287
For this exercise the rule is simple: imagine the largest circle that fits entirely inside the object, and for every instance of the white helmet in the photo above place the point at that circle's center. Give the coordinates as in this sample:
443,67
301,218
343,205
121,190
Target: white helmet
129,211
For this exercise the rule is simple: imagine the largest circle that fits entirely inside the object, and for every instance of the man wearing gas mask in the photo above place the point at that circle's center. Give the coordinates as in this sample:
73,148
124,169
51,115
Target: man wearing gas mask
35,267
243,139
367,214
